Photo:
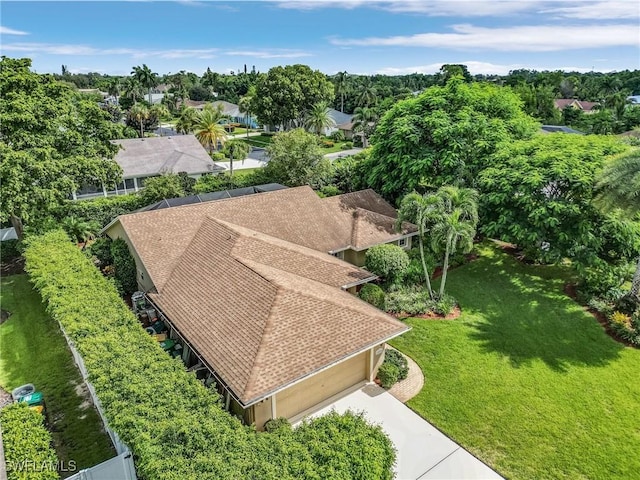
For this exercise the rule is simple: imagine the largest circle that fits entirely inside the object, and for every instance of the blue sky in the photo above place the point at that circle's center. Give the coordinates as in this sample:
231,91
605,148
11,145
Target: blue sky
357,36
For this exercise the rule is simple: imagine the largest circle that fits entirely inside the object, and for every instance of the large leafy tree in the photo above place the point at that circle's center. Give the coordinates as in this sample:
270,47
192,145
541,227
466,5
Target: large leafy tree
51,142
286,93
295,159
619,187
539,195
187,120
236,150
446,135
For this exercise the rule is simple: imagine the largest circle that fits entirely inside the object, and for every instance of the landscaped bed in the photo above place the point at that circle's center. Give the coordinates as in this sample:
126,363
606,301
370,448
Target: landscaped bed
33,350
526,379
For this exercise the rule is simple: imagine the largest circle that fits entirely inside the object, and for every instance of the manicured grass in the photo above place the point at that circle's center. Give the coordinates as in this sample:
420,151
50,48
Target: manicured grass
337,147
258,140
526,379
33,350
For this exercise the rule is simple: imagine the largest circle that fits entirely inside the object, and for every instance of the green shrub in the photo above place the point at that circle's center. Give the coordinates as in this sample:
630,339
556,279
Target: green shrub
175,427
327,143
276,425
394,357
347,145
164,186
387,261
101,250
218,157
626,326
328,191
9,250
337,136
409,300
124,266
444,305
100,210
388,374
372,294
27,444
414,274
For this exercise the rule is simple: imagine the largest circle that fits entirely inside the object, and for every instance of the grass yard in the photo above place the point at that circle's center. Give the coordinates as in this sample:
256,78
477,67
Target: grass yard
258,140
35,351
526,379
337,147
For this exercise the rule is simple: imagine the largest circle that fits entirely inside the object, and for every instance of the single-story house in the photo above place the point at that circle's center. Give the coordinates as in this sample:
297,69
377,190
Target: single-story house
586,107
338,118
229,109
259,292
142,158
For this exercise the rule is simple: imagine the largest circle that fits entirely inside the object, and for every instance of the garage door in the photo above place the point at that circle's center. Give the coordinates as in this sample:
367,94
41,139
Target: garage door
321,386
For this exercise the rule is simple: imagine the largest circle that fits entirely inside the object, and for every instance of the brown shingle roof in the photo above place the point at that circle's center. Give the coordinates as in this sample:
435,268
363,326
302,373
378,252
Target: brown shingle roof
264,313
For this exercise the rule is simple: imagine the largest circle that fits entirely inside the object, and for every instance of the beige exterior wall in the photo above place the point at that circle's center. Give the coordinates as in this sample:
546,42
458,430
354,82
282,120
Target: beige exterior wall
309,393
142,276
355,258
375,359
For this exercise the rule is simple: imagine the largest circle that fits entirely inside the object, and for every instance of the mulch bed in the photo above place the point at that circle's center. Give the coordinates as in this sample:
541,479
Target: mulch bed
429,315
12,267
570,290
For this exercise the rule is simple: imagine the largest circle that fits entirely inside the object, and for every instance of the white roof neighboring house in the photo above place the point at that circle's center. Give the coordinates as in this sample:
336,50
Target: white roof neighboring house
145,157
8,234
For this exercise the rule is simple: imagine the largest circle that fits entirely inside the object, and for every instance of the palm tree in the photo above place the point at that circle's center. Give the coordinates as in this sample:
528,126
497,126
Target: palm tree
246,105
145,77
80,230
455,227
619,187
161,111
341,87
319,118
209,130
236,149
187,120
364,121
114,87
422,211
368,94
131,89
139,113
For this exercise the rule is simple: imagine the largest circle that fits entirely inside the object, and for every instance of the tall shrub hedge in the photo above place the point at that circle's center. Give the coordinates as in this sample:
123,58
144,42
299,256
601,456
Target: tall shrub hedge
175,426
27,444
100,210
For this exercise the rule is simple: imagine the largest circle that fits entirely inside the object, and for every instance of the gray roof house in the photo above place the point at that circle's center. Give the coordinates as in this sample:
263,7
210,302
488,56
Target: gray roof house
142,158
339,118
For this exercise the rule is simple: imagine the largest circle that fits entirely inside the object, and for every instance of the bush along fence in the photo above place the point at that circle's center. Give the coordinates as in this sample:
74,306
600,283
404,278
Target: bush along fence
28,452
175,427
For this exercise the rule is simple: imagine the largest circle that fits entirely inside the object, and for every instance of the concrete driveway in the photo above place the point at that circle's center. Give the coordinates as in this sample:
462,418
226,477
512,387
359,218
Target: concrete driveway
423,451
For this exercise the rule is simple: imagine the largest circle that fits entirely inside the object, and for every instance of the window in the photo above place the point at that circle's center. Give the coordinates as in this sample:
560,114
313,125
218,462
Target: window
402,242
129,184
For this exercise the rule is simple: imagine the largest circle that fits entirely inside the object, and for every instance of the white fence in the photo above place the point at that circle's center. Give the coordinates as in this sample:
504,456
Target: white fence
120,468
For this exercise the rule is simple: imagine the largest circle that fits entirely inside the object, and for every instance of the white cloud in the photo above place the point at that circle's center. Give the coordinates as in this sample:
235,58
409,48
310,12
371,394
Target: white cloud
268,54
476,68
599,10
11,31
542,38
85,50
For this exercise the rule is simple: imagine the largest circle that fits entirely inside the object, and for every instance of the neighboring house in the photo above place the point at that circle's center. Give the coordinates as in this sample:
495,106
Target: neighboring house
559,129
586,107
634,99
142,158
8,234
162,88
229,109
338,118
252,290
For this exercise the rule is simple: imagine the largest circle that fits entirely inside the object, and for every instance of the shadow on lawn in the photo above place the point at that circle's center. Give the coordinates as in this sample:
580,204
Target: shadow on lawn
517,312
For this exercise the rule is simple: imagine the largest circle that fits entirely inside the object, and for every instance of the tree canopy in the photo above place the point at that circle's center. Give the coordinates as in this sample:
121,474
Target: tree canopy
285,94
52,140
444,136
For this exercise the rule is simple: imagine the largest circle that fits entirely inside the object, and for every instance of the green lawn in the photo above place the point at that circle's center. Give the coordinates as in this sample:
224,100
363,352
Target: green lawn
34,351
337,147
258,140
525,379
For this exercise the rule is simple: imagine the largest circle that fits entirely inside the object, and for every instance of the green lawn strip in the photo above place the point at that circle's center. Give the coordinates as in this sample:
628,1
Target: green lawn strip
526,379
35,351
337,147
258,140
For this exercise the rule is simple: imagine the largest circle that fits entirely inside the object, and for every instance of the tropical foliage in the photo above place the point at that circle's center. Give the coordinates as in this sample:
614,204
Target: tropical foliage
387,261
27,444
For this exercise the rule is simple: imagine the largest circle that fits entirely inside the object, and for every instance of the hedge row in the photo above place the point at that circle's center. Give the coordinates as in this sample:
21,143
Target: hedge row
27,444
176,427
100,210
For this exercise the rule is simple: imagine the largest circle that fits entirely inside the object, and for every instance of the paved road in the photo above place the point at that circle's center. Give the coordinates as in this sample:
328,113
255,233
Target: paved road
343,153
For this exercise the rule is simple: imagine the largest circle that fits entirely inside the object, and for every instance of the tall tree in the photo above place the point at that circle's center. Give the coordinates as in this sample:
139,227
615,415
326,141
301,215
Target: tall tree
51,142
364,123
187,120
446,135
342,86
139,115
319,118
246,105
422,211
367,93
131,89
619,187
146,78
455,226
236,150
209,130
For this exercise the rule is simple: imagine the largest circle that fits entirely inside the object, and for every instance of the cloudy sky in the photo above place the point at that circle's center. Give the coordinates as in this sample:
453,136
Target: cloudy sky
357,36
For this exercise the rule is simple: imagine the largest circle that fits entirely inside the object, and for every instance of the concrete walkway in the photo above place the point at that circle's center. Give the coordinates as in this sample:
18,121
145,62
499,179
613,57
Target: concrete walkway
343,153
408,388
424,452
242,164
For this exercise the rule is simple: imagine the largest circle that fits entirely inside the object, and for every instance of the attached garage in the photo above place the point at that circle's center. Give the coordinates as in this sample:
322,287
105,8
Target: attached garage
312,391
